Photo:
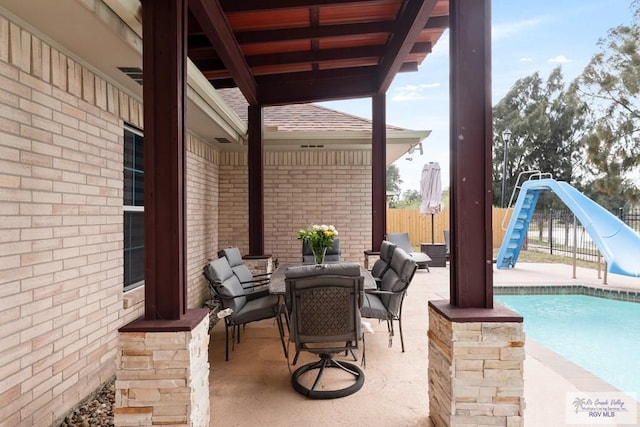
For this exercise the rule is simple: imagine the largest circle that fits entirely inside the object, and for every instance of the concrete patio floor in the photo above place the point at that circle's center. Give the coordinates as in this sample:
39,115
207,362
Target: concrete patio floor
253,388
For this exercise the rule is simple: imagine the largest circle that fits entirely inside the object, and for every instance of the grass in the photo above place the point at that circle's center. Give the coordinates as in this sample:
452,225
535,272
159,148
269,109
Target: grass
540,257
546,258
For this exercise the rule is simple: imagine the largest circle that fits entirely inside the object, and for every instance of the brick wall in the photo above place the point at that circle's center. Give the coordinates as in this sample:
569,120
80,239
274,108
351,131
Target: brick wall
202,215
233,221
61,262
301,188
61,227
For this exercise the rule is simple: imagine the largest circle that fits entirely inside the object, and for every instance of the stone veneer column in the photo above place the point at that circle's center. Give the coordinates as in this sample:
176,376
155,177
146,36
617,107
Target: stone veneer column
162,378
258,264
475,367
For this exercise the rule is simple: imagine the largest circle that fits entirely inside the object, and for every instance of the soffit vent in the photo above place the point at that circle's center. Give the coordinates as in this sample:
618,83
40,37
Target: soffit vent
312,146
223,140
134,72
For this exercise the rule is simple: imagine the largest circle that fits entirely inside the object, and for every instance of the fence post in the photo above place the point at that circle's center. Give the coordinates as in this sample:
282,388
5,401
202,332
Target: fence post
551,231
575,245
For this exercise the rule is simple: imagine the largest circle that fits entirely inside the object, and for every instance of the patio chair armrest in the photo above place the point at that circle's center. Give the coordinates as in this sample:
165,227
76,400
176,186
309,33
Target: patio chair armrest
258,283
381,292
266,275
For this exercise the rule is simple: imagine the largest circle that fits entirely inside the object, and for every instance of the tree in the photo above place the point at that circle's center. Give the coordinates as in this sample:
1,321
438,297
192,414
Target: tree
393,182
410,199
547,121
611,85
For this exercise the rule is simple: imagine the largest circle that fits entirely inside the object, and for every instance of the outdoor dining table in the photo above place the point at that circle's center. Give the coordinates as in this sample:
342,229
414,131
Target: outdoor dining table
277,283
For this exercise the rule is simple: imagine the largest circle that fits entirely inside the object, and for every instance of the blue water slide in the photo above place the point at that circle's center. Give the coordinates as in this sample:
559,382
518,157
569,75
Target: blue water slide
618,243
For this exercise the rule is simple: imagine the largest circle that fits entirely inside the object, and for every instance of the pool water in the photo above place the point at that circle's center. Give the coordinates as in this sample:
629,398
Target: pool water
600,335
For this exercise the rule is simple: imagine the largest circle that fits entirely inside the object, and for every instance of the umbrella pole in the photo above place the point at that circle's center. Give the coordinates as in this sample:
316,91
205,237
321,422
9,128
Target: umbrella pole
432,229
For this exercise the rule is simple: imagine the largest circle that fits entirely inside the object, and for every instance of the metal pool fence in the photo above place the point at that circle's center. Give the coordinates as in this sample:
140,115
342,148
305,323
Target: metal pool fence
557,232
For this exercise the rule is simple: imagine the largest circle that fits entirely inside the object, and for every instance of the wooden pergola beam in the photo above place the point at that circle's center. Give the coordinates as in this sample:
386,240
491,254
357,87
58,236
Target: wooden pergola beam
305,57
325,31
316,86
213,22
253,5
411,22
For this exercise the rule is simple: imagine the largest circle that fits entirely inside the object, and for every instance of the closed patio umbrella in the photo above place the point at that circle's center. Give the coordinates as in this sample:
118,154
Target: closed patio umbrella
431,191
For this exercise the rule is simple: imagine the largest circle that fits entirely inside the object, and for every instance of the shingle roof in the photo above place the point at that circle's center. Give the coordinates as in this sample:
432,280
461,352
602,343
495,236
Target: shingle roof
300,117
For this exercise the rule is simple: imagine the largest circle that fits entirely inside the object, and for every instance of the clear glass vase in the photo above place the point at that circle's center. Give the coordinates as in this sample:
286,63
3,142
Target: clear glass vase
318,254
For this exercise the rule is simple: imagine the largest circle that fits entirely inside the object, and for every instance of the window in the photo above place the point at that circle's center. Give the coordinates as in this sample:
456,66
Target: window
133,208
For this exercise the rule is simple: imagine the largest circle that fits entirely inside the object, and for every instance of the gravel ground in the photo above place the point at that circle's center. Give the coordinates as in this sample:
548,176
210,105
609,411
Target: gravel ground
96,411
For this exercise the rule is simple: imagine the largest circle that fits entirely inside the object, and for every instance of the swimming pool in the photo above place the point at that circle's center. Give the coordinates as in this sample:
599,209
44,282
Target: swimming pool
600,335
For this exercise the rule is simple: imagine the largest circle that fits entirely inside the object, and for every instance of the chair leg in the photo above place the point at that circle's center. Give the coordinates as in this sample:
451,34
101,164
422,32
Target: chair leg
281,331
350,350
236,330
401,336
226,341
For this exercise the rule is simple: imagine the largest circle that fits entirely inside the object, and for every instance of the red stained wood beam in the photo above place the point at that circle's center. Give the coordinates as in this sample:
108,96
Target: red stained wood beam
295,57
257,5
437,22
410,23
409,67
264,36
316,86
213,22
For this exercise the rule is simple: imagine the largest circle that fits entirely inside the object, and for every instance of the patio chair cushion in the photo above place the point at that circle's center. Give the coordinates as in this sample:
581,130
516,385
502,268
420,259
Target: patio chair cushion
404,266
227,284
237,265
251,285
257,309
382,265
395,280
373,307
339,269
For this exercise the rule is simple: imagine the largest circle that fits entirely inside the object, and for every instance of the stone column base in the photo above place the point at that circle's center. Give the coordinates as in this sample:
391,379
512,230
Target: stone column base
258,264
475,370
162,376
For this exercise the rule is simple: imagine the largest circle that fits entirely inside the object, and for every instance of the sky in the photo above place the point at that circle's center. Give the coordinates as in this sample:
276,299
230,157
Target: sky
527,36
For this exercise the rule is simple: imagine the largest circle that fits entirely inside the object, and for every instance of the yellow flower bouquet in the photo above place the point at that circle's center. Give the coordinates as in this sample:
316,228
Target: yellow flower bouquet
319,238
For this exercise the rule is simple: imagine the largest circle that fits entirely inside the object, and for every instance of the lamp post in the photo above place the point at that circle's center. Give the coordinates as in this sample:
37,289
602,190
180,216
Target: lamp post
506,136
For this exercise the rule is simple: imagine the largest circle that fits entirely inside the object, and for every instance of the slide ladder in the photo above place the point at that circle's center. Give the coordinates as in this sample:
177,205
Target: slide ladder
618,243
517,230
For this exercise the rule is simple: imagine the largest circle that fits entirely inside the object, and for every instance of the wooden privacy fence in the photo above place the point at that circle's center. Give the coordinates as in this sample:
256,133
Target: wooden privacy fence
419,226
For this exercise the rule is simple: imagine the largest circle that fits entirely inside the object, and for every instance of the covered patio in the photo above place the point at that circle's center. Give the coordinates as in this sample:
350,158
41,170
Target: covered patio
465,331
69,110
